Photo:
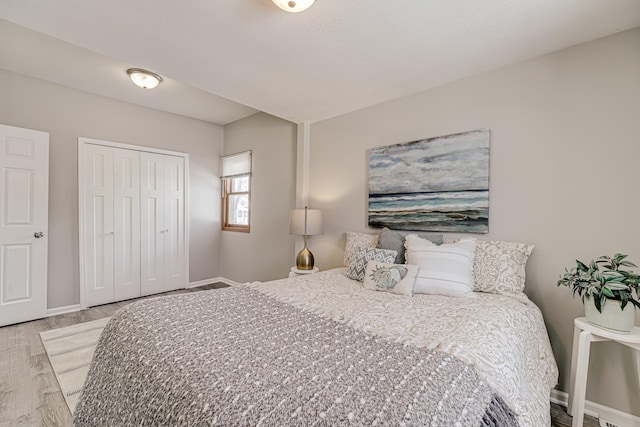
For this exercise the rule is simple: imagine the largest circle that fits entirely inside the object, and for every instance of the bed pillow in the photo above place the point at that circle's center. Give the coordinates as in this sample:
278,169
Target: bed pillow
359,263
355,242
394,240
394,278
499,267
444,270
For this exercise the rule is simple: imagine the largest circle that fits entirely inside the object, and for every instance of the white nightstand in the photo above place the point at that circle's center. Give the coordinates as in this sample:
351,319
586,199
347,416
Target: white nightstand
295,272
583,335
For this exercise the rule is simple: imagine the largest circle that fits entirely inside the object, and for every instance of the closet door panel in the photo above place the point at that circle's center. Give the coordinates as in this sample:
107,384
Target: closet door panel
126,188
174,251
152,226
133,221
98,224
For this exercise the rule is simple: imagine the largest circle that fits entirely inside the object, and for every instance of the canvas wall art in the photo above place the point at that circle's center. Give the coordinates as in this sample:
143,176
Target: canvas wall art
435,184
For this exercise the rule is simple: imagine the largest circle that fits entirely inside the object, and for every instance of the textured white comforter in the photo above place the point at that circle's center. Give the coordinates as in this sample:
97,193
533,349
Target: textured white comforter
503,337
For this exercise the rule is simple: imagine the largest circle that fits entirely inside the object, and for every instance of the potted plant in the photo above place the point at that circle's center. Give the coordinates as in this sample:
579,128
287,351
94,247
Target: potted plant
611,290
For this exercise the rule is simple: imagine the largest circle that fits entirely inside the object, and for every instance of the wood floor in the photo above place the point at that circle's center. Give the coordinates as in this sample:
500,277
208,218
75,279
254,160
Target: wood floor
29,391
560,418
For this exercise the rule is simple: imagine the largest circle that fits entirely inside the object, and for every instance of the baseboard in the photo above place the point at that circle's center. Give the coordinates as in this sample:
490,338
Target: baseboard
596,410
63,310
213,280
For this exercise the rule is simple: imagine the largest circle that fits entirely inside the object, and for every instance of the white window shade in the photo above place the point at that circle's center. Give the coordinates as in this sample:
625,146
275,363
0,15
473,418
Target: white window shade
235,165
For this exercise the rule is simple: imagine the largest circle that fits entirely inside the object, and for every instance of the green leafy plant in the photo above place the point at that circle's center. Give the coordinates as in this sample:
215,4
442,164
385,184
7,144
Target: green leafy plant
603,279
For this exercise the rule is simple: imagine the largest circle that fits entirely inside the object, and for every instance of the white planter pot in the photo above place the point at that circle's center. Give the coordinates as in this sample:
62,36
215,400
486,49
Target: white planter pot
611,317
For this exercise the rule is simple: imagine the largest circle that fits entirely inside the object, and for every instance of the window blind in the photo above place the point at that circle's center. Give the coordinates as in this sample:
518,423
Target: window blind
235,165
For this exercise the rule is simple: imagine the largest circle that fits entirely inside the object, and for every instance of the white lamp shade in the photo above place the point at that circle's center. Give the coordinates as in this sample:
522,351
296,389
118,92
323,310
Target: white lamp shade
293,5
297,223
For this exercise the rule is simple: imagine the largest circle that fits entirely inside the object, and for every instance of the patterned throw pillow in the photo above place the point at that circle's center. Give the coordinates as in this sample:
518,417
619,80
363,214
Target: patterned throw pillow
394,278
499,267
444,270
355,242
359,263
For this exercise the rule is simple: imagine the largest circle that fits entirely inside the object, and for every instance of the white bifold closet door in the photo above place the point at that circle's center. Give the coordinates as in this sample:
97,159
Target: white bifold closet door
112,224
133,223
126,224
162,223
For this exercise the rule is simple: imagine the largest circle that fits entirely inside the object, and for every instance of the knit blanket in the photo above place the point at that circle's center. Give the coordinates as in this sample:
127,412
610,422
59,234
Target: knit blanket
238,357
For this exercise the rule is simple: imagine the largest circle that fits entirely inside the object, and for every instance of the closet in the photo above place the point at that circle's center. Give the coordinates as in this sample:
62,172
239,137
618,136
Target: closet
133,221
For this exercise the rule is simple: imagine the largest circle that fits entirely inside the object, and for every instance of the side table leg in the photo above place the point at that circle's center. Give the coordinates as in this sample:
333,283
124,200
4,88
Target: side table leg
581,372
574,358
638,366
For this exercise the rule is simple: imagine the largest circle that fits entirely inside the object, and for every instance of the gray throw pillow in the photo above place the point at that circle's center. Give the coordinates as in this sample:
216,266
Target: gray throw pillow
364,255
394,240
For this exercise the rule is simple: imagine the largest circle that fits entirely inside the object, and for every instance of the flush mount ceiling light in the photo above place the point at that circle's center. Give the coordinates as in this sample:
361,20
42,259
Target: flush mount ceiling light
293,5
143,78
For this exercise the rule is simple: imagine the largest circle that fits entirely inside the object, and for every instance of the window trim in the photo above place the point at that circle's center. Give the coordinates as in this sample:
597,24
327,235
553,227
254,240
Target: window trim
226,182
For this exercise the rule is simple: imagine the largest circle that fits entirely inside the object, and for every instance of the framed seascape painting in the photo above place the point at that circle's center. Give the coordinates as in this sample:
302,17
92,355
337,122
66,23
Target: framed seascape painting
435,184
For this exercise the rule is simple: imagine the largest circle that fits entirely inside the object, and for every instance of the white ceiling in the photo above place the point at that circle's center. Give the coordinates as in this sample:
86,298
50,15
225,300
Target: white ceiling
224,59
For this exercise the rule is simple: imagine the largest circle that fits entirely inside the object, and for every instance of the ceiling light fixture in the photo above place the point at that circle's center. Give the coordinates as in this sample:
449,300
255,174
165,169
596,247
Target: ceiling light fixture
293,5
143,78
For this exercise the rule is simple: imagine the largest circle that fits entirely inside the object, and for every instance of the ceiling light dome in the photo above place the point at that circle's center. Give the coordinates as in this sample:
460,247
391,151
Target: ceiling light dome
294,5
143,78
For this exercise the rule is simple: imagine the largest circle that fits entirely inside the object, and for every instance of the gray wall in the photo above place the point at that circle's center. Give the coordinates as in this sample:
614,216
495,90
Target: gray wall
67,114
564,175
266,253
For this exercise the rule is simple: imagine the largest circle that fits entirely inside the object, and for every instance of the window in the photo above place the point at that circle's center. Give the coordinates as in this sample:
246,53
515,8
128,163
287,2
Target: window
236,191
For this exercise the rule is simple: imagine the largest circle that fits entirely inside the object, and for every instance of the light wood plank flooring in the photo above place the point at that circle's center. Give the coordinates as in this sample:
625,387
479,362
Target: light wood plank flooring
560,418
29,392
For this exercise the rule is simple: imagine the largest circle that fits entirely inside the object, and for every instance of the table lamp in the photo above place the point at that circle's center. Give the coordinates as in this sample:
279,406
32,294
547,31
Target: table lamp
305,222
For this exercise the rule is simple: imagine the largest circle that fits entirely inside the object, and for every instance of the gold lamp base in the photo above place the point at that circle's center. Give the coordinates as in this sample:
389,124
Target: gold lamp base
304,260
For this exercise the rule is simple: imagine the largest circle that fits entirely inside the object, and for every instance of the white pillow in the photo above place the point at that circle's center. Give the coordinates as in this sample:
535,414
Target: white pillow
499,267
444,270
388,277
355,242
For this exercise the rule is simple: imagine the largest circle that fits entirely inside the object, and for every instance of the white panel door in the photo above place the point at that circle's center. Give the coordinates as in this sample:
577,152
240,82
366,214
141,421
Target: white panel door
162,221
24,198
152,228
126,224
98,225
174,248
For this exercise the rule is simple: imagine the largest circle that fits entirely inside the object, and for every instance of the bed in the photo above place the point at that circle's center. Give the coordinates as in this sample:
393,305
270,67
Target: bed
154,363
321,350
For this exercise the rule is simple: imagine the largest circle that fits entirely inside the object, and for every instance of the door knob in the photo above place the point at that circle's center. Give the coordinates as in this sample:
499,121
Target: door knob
38,234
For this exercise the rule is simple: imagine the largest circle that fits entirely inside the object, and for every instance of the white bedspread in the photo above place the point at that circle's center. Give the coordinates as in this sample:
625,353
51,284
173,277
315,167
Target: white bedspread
504,338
